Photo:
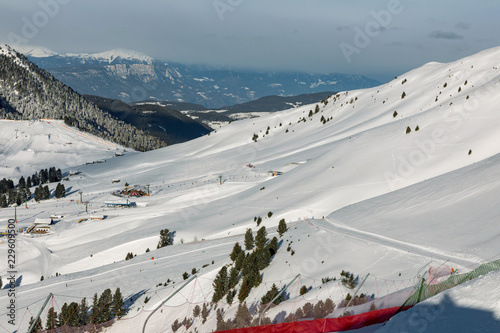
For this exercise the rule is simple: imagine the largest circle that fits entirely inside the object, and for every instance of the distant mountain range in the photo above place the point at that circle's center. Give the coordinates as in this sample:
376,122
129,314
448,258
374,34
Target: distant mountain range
132,76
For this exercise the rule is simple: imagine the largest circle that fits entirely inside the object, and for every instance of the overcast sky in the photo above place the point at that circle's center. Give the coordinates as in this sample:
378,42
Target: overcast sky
379,39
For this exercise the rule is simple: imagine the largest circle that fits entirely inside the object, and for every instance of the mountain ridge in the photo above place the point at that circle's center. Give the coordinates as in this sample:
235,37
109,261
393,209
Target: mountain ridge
134,77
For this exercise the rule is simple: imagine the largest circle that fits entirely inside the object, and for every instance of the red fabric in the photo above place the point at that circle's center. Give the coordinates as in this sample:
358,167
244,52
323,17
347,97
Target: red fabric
324,325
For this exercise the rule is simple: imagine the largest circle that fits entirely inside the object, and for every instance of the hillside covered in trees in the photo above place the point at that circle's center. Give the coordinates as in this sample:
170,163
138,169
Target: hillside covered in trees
169,125
28,92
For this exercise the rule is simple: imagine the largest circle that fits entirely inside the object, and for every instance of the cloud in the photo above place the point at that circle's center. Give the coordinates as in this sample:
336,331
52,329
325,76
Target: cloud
462,26
445,35
343,28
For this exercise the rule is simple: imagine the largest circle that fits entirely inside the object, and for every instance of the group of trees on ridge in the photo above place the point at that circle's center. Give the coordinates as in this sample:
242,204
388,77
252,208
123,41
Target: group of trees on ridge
18,194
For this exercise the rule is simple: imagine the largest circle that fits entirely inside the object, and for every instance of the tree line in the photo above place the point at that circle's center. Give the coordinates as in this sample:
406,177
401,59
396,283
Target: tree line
11,194
104,308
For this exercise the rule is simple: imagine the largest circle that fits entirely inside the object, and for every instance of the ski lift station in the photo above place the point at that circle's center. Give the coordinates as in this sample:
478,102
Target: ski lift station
121,204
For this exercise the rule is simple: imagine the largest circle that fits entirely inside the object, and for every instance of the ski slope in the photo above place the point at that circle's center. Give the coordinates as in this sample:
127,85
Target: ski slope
392,202
28,146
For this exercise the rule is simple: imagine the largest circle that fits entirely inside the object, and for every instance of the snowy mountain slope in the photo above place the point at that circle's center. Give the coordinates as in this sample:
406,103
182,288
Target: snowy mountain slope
392,202
28,146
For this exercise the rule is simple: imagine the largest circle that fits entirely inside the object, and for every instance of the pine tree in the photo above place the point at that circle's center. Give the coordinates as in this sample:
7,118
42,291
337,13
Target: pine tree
28,182
246,286
299,314
83,315
44,176
260,239
38,326
35,179
233,277
176,325
238,264
250,269
308,310
272,247
72,315
243,317
52,175
236,250
64,315
11,196
204,313
22,182
165,238
263,257
52,319
220,284
3,201
230,296
118,303
96,312
27,193
282,227
46,192
220,324
60,191
105,303
249,241
259,220
196,311
329,306
268,297
319,310
37,194
19,197
373,307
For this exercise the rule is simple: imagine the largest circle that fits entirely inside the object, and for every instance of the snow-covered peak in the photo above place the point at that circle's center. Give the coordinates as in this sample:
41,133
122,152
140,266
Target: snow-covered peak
108,56
112,55
34,51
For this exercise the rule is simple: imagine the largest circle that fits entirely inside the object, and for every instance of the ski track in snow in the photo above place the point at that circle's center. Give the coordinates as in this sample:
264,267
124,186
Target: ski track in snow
393,244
